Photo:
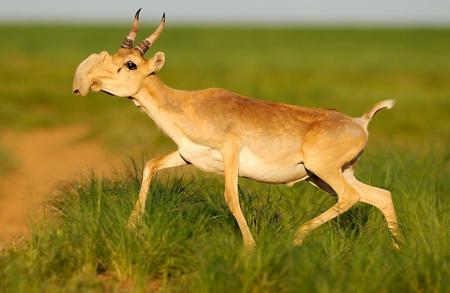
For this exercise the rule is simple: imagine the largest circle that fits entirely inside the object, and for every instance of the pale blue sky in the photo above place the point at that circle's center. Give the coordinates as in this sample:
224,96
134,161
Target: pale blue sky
414,12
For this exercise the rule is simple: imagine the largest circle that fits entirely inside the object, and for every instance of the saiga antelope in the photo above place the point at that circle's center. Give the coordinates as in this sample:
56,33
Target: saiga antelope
223,132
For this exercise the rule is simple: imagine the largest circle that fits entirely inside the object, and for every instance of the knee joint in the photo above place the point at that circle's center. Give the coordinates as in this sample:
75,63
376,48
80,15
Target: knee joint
232,204
150,168
348,202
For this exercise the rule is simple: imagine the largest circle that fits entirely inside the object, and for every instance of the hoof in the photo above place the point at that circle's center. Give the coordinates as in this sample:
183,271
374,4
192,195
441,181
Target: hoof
298,240
134,221
395,245
250,246
131,225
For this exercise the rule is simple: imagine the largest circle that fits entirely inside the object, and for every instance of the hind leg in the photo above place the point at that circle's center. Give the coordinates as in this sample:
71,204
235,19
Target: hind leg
328,146
347,197
379,198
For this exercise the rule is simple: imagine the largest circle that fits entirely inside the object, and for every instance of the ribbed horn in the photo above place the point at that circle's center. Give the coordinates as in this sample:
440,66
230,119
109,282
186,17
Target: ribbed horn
129,40
145,44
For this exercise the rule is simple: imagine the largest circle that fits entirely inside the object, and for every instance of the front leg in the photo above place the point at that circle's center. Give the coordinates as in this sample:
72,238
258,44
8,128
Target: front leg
151,167
230,156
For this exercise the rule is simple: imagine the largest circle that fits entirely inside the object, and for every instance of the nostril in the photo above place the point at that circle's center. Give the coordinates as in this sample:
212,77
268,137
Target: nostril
76,92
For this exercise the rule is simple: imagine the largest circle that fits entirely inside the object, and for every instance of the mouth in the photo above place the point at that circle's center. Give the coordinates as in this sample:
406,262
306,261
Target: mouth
106,92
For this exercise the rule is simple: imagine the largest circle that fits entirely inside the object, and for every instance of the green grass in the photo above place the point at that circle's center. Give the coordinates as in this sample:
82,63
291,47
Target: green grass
190,241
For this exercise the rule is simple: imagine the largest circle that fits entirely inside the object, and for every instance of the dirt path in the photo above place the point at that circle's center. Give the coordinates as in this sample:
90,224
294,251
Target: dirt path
46,157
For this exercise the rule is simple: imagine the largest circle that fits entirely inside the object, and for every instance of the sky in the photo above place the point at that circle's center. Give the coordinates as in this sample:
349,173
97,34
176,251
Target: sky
388,12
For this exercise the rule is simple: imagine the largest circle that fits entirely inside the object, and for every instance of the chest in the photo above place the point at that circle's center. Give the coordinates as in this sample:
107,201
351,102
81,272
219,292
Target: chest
203,157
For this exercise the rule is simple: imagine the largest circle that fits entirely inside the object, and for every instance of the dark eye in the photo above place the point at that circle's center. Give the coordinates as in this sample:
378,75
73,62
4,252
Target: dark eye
130,65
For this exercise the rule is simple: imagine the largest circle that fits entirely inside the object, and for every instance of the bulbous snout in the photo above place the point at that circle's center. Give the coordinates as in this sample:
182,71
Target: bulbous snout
82,81
78,88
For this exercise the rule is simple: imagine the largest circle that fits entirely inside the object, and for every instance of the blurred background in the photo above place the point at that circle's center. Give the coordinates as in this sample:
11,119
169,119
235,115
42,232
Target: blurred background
345,55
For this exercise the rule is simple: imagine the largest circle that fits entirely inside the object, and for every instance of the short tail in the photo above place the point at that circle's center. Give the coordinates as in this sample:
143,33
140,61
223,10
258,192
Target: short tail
385,104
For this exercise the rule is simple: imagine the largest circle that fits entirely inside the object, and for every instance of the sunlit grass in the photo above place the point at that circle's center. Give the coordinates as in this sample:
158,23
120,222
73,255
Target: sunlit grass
189,242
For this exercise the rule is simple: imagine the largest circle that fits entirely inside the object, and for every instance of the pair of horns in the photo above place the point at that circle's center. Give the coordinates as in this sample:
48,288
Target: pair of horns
145,44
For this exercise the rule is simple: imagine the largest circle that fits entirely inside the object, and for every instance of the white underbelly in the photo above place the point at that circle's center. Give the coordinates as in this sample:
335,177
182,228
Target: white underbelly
250,165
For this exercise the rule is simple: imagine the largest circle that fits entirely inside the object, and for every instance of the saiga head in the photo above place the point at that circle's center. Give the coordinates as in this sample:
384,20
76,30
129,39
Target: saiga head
122,73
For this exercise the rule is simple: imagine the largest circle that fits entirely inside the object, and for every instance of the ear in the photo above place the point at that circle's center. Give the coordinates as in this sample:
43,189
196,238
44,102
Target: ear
157,61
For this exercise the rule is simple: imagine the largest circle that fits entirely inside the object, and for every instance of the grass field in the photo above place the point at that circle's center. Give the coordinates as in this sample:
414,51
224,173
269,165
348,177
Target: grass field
190,241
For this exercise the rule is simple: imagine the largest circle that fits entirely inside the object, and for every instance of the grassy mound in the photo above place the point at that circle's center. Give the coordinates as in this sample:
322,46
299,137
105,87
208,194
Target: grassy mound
189,241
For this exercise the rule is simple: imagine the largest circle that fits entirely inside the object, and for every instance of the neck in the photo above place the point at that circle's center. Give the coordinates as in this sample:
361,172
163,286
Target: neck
155,92
166,106
153,87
